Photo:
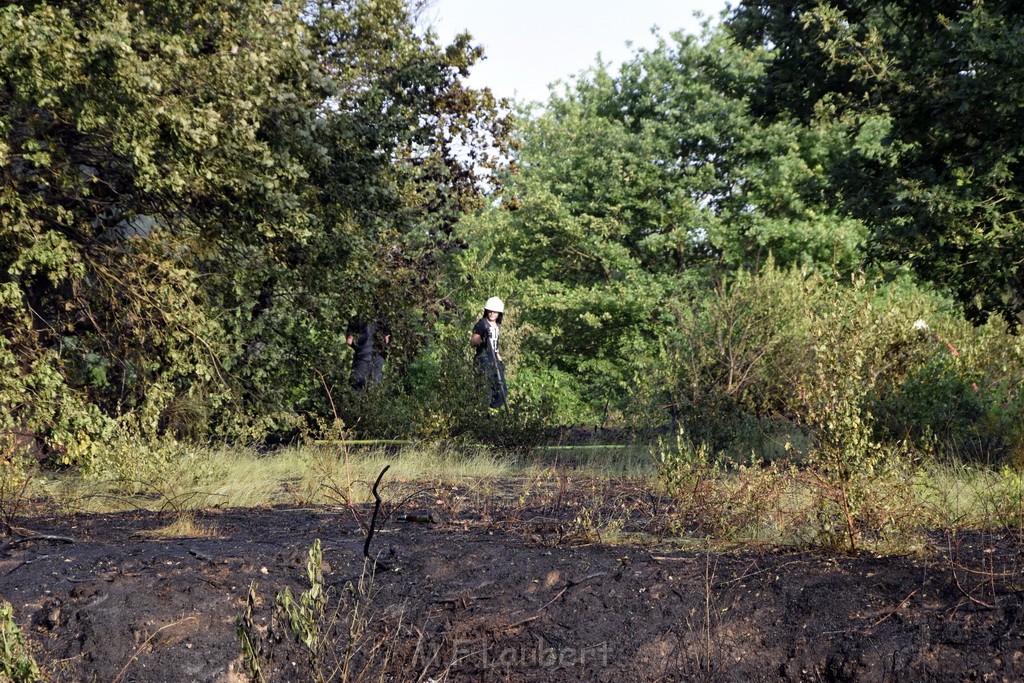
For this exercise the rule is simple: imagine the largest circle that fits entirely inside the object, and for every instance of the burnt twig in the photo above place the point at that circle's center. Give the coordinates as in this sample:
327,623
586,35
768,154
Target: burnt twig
34,539
376,509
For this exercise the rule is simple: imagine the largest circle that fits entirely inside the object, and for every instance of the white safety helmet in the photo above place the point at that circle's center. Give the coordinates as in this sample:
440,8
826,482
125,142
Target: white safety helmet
495,304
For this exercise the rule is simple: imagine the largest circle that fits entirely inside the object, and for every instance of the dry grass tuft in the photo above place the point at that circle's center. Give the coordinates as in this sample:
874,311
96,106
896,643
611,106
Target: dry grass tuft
183,526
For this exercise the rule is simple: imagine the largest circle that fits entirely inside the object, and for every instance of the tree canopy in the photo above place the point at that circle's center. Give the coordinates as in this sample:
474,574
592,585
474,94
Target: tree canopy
633,186
194,197
939,86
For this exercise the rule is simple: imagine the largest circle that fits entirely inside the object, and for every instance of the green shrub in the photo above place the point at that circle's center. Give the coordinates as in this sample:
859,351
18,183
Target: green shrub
17,470
321,635
732,354
744,503
963,397
16,662
752,365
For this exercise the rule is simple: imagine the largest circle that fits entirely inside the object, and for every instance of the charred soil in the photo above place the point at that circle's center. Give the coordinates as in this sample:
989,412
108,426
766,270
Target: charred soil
501,592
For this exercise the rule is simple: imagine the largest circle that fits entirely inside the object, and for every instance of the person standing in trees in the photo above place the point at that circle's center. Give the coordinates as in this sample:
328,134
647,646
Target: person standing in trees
370,342
488,354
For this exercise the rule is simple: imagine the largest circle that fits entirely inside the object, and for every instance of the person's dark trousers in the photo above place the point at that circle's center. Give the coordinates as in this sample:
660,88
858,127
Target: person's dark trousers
494,373
367,371
376,370
360,373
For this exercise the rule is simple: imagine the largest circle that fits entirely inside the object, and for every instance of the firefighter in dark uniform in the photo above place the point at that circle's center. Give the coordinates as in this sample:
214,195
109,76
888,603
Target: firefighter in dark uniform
488,354
370,342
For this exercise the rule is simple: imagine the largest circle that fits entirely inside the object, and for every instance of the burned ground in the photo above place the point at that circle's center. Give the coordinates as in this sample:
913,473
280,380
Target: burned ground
492,591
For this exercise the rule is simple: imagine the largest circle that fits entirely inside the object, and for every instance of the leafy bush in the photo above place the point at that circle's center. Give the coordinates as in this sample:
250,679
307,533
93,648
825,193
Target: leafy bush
17,470
436,396
16,662
722,359
742,505
780,355
964,397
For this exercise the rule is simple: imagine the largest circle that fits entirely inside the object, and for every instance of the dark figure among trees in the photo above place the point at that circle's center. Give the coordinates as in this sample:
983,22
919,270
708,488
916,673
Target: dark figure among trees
370,342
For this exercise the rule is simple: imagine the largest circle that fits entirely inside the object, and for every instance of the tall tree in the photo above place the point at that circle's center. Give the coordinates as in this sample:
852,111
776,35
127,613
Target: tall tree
632,185
195,196
935,89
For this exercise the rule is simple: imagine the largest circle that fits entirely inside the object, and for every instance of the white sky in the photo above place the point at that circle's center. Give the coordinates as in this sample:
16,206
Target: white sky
532,43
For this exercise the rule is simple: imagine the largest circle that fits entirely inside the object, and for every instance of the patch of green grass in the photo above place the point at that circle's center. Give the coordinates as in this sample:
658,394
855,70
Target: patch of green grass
789,506
309,475
774,505
958,496
633,461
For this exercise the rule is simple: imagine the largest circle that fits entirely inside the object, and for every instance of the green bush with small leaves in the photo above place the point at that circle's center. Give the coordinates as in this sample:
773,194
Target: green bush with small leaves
773,358
16,662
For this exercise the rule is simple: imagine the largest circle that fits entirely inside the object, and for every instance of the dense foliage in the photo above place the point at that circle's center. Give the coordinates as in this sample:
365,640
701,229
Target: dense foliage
939,85
731,234
195,198
726,230
630,186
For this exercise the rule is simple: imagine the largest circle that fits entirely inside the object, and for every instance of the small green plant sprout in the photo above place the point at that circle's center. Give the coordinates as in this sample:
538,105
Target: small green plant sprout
250,637
328,637
16,662
306,614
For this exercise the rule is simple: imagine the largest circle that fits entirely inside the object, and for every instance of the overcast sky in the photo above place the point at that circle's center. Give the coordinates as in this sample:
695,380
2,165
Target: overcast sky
531,43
